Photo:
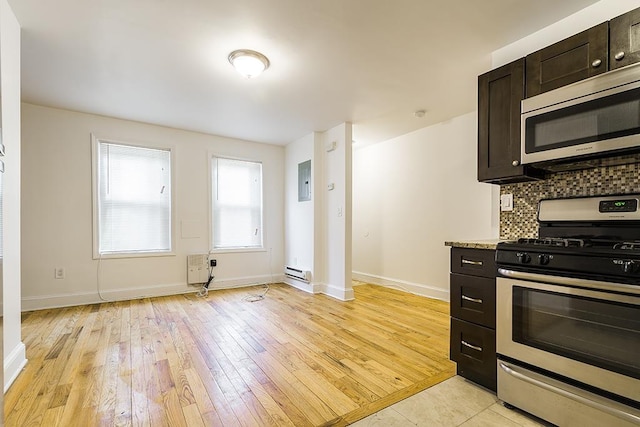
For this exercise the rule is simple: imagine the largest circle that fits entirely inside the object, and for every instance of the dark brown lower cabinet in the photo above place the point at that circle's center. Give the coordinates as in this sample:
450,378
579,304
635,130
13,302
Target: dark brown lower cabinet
473,348
473,314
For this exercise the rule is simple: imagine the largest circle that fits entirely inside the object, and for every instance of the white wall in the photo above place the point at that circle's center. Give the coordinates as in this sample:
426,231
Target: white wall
336,225
299,216
318,232
57,203
410,195
14,350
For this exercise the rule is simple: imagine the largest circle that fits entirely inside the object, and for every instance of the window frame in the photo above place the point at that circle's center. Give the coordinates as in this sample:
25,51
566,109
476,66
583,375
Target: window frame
95,149
246,249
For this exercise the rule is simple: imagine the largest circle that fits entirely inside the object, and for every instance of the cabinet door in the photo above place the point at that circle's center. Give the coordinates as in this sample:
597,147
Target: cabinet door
624,35
473,348
499,94
576,58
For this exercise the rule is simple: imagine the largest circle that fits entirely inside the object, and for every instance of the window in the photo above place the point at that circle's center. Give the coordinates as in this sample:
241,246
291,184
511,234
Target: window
236,204
132,192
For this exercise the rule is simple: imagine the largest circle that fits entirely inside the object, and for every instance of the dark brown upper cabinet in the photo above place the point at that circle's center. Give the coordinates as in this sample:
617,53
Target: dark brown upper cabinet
575,58
607,46
499,94
624,39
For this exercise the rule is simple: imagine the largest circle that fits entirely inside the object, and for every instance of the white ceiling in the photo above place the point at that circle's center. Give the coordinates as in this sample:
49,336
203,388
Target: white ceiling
371,62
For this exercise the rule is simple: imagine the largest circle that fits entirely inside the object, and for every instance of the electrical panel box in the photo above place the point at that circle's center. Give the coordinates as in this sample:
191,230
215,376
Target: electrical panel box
197,269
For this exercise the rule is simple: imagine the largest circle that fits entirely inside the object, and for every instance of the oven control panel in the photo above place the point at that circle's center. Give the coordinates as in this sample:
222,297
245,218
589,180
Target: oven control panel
628,266
623,207
620,205
535,259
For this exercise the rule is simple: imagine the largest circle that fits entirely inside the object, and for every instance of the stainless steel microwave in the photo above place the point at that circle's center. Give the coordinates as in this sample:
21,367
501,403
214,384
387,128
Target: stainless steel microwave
595,118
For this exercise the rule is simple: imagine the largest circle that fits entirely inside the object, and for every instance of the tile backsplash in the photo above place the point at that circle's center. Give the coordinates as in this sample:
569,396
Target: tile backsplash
522,221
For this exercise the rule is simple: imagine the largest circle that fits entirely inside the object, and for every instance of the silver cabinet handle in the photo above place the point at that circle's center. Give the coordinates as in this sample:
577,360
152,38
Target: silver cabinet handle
619,56
476,300
475,347
572,393
596,63
468,261
516,163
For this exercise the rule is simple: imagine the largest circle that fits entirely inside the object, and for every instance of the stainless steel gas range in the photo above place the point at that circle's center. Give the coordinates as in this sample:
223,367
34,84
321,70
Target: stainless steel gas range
568,314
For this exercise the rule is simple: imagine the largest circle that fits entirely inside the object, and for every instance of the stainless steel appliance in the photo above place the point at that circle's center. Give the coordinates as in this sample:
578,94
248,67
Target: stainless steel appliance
594,118
568,314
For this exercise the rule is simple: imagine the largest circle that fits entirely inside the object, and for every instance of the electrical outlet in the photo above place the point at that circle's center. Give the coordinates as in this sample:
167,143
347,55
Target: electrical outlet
59,273
213,262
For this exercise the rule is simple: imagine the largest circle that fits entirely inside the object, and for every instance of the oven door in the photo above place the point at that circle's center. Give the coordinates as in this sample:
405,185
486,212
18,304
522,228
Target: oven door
586,335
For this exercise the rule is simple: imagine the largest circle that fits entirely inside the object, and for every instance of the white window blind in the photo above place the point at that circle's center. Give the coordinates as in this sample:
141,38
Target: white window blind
134,199
237,203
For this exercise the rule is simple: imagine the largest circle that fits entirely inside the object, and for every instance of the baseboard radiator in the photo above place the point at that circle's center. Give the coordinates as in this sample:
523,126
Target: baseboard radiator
297,274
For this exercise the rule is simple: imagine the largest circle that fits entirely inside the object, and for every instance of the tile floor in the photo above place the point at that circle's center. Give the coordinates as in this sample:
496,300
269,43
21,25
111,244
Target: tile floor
454,402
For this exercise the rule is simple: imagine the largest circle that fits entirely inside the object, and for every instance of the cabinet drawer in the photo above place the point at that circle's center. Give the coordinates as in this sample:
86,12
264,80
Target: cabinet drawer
473,299
473,348
475,262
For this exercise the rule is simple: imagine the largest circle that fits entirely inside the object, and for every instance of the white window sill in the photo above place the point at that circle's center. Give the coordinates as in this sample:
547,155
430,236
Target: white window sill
236,250
133,255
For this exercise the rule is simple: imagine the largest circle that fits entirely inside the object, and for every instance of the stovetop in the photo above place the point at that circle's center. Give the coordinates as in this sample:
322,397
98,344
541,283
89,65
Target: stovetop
586,237
594,259
586,244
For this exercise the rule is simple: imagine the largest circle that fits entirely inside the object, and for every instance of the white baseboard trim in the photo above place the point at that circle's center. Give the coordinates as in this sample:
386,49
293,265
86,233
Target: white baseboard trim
414,288
84,298
13,364
309,287
338,293
321,288
241,282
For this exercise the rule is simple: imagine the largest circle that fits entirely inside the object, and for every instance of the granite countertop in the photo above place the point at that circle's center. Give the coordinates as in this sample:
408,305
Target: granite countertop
475,244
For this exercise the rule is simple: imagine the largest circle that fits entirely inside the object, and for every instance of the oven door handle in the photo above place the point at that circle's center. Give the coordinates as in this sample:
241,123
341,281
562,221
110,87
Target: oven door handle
573,395
571,281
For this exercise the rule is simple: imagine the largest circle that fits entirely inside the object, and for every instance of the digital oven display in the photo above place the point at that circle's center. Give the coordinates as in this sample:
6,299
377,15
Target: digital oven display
622,205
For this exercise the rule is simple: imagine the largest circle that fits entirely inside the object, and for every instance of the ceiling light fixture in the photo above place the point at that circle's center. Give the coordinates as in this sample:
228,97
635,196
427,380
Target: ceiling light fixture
248,63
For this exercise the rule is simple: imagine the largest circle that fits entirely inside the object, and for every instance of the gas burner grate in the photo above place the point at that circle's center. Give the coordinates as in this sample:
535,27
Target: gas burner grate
555,241
629,246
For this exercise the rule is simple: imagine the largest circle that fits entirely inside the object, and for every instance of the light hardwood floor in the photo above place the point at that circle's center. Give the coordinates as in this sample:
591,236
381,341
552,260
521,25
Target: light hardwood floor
290,359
